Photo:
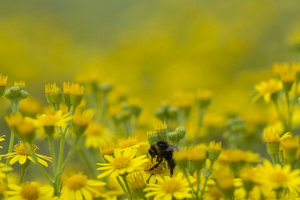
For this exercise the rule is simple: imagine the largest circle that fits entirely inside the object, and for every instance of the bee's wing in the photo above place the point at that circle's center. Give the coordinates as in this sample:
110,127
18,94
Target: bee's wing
173,147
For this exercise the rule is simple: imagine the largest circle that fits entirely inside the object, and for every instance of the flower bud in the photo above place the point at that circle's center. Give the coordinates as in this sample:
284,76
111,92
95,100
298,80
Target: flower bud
105,87
181,132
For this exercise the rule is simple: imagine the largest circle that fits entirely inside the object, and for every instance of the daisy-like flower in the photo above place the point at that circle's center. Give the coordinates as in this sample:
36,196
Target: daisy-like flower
49,119
131,142
96,135
169,188
267,89
121,163
78,187
30,191
151,175
277,177
21,154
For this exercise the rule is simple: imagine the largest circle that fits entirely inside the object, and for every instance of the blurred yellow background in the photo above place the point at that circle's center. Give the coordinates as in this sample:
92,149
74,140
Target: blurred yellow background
153,48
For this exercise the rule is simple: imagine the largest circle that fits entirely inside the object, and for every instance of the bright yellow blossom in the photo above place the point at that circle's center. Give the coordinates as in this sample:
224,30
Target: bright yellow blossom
107,148
271,136
82,118
151,175
56,119
22,155
267,89
78,187
30,191
277,177
131,142
121,163
73,89
30,106
3,80
95,135
169,188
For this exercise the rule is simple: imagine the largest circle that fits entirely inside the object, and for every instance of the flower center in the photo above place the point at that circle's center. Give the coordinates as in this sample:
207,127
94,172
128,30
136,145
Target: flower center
121,162
20,149
171,186
30,192
278,177
76,181
157,170
127,143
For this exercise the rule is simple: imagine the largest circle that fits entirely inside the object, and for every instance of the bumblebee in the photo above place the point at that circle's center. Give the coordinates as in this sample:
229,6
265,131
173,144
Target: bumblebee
163,150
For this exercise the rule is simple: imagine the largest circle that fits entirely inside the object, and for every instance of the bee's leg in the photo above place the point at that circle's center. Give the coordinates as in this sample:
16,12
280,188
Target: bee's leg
171,166
156,165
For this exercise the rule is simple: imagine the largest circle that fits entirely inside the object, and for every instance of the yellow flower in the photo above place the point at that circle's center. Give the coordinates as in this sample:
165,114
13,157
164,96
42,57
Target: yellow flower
3,170
78,187
107,148
22,155
73,89
151,175
136,181
3,80
30,191
51,88
73,93
277,177
225,181
121,163
169,188
266,89
81,120
53,94
271,136
30,106
130,143
56,119
2,139
95,134
14,119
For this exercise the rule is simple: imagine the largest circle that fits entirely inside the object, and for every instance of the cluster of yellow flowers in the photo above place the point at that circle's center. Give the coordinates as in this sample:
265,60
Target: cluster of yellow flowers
84,127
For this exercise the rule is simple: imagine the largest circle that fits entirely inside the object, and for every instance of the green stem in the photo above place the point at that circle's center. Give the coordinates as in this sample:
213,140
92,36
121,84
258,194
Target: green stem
289,122
34,157
58,173
191,185
11,145
274,159
103,106
52,152
129,196
70,153
122,186
24,168
87,163
198,181
14,109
